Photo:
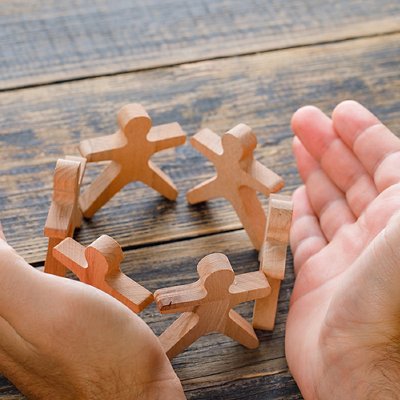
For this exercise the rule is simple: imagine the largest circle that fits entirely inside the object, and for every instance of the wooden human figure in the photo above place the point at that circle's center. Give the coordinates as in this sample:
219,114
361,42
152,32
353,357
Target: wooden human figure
273,259
64,214
99,265
207,305
239,176
129,150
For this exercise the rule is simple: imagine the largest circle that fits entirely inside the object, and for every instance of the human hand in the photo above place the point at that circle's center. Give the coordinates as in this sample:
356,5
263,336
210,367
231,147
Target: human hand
62,339
343,328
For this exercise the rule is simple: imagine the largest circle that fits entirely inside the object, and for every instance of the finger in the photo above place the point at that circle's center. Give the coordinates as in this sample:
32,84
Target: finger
377,148
315,130
2,236
306,237
327,201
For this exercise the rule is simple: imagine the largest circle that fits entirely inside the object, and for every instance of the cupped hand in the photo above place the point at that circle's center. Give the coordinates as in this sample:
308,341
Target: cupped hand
343,328
61,339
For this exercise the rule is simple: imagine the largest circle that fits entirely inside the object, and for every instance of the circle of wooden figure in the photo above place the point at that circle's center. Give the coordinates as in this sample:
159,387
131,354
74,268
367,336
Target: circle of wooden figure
64,214
99,265
273,259
129,150
207,305
239,177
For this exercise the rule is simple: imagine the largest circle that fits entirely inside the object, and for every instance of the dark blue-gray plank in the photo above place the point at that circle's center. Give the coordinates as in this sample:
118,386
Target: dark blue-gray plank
214,367
50,40
38,125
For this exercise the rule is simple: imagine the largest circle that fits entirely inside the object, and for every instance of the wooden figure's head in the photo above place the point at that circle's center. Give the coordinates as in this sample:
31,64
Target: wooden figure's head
104,255
239,142
134,120
216,275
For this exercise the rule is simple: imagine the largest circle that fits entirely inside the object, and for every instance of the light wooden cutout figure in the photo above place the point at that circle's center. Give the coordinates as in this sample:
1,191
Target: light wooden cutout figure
64,214
273,258
239,176
129,150
207,305
99,265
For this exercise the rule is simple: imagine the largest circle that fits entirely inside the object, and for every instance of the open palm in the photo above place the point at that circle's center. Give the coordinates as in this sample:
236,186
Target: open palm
343,330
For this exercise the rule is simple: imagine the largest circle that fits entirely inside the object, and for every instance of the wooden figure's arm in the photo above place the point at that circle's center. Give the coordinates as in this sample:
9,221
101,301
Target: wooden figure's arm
179,298
249,286
262,179
207,143
166,136
72,255
129,292
102,148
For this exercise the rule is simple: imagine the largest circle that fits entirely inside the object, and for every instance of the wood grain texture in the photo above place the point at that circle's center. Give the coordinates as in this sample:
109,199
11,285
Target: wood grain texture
48,40
215,367
39,125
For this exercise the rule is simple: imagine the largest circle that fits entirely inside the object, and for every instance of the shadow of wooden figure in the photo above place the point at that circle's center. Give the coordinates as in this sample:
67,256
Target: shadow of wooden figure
273,259
64,214
129,150
207,305
99,265
239,177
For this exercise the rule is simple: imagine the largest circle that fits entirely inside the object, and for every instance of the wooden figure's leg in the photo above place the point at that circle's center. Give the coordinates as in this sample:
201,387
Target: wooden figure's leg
77,218
204,191
160,182
251,214
240,330
265,308
51,265
101,190
181,334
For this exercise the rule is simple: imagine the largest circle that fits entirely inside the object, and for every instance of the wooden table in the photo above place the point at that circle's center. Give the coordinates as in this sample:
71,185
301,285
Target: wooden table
67,67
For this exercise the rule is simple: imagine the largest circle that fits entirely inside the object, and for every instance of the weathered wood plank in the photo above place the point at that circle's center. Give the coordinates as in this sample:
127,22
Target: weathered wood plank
41,124
215,366
48,40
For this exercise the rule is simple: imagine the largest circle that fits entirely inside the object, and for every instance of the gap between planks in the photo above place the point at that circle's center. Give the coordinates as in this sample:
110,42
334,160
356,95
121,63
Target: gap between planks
200,59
